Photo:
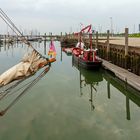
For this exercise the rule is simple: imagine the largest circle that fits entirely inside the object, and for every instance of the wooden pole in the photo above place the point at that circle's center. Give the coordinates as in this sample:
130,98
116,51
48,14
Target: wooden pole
96,39
61,37
127,102
90,38
107,44
126,48
45,37
126,41
108,88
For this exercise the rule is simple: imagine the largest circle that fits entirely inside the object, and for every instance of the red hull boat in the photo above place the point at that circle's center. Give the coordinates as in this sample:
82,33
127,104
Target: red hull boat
86,59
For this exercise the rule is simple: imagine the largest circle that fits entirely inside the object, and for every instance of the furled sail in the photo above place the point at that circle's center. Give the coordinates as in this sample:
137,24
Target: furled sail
31,62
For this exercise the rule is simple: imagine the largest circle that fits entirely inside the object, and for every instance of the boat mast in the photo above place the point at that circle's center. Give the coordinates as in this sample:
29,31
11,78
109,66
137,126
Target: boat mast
80,36
90,37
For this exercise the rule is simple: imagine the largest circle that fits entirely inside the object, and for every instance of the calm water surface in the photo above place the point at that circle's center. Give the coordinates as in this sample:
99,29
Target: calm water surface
68,103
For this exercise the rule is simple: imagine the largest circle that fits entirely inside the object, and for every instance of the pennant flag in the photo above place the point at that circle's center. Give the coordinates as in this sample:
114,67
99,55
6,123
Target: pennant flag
52,51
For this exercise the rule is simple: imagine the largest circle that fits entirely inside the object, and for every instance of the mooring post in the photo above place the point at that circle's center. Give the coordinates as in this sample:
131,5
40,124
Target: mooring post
61,34
45,37
108,88
17,38
45,44
97,39
108,46
126,41
126,47
5,38
0,42
127,101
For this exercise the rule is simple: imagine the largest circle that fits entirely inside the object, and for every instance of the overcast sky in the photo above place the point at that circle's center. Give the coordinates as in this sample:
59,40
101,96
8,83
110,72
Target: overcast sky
67,15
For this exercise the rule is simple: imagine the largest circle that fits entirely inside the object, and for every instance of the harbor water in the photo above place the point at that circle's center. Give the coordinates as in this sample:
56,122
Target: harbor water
67,103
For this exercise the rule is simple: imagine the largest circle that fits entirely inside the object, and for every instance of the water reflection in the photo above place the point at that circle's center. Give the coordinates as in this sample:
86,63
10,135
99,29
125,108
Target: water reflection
0,46
92,79
11,93
45,50
129,93
11,46
89,79
20,87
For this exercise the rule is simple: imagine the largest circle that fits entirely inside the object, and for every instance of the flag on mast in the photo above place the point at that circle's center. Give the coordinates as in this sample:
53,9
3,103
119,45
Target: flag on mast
52,50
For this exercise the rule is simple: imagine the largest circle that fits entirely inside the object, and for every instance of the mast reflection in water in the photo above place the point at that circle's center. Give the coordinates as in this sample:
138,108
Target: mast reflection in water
92,79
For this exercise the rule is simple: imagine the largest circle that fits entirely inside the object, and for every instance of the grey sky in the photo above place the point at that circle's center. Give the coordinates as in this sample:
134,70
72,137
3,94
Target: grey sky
66,15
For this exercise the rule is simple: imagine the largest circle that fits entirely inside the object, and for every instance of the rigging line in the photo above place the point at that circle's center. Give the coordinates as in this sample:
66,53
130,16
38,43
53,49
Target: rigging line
3,94
5,15
11,23
24,91
22,37
8,24
18,88
12,87
15,31
14,91
14,27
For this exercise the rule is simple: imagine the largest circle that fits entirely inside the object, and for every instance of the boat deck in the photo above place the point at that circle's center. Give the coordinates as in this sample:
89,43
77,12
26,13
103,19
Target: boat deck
123,74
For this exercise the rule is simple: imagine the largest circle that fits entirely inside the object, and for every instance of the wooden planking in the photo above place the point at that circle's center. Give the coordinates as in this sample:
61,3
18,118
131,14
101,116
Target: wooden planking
123,74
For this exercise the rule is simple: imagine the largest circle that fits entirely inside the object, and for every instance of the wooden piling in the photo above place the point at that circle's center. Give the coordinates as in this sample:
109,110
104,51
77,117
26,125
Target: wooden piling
108,89
45,44
126,48
96,39
108,47
45,37
126,41
61,37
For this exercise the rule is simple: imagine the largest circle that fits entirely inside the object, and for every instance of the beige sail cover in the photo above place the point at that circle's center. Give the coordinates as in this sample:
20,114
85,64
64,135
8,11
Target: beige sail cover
28,66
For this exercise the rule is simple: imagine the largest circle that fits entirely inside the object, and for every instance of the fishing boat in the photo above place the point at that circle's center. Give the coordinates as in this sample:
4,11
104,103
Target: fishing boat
86,58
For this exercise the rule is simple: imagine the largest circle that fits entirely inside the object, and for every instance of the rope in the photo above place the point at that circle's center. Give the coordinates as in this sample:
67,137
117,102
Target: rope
9,90
24,91
9,22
